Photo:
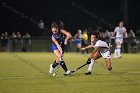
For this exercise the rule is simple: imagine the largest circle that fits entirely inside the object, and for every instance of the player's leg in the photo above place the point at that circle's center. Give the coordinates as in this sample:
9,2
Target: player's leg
62,62
56,62
78,45
116,50
51,68
64,66
106,55
57,68
91,60
119,49
108,63
135,47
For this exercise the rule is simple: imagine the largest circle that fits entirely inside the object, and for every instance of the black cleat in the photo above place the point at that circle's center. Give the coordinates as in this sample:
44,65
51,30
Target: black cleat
88,73
66,74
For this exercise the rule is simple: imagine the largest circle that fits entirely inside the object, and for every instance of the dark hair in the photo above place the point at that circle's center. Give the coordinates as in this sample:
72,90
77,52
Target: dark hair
96,34
54,25
121,21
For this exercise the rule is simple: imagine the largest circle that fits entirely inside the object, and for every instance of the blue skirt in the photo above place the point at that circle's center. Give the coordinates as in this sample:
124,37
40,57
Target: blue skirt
78,42
54,47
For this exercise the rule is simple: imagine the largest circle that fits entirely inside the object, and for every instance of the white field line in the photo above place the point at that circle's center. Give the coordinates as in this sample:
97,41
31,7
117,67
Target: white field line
24,77
21,77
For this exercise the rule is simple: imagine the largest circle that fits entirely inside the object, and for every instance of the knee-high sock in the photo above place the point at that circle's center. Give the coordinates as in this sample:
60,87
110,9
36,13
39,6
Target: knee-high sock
57,68
91,65
77,50
55,64
115,52
119,52
62,63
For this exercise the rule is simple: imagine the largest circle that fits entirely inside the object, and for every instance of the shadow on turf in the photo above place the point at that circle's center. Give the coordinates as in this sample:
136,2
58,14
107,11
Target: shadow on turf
120,75
38,69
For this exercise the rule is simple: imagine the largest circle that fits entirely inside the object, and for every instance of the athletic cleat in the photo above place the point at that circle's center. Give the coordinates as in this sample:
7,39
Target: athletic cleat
119,57
88,73
51,69
68,73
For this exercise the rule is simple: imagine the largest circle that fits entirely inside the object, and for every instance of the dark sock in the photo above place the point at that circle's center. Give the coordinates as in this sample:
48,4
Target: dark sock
54,64
87,50
88,61
62,63
77,50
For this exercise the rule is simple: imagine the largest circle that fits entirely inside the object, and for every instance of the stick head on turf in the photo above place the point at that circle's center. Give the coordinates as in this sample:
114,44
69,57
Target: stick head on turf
73,71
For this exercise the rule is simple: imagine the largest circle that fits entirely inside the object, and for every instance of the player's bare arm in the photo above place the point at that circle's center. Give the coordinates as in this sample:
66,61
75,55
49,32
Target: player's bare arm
76,35
89,46
68,35
113,34
125,34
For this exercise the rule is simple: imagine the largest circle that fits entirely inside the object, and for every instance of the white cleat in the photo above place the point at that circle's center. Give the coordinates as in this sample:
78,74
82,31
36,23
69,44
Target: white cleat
51,69
68,73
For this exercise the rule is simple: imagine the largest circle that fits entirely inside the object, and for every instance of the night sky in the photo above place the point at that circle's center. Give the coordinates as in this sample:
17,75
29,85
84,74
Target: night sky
73,18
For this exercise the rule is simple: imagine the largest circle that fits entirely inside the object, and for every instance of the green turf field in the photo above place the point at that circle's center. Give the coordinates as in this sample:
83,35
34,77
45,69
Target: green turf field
28,73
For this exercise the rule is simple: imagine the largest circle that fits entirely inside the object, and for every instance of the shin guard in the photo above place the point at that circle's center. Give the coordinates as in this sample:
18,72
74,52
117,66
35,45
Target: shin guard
62,63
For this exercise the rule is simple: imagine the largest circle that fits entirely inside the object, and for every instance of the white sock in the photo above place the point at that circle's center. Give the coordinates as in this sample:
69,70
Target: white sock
115,52
57,68
91,65
51,69
119,52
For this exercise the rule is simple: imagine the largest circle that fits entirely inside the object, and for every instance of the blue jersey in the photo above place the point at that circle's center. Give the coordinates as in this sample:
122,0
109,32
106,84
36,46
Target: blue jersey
79,39
60,41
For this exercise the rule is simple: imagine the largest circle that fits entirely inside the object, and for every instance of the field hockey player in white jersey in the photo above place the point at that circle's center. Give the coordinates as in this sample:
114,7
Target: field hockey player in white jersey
120,33
101,49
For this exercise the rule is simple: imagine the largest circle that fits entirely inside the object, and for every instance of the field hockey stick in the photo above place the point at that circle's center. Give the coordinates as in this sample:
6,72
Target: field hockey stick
79,68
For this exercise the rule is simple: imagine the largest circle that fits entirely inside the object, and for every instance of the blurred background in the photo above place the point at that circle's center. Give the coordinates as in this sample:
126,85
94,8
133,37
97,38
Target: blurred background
25,24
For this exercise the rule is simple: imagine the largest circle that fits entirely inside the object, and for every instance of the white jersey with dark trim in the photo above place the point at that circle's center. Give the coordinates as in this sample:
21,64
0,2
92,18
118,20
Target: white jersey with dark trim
120,32
103,46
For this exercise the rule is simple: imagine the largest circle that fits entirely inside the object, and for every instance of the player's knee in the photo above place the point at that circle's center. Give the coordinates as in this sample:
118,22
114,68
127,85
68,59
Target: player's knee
58,58
55,64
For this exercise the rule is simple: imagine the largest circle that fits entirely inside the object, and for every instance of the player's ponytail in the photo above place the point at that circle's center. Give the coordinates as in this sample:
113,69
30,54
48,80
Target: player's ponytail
54,25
